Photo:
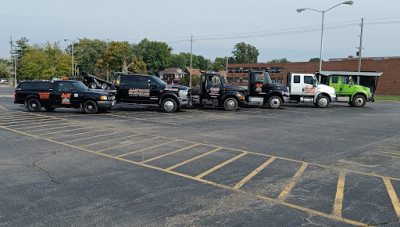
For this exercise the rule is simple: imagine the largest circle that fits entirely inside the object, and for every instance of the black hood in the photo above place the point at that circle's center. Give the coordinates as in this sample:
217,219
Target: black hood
179,87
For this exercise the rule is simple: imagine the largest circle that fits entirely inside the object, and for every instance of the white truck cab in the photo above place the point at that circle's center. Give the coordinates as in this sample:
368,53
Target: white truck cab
304,88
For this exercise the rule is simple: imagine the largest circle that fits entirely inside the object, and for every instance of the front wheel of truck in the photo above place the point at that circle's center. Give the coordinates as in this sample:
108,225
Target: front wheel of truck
275,102
169,105
90,107
322,102
358,101
230,104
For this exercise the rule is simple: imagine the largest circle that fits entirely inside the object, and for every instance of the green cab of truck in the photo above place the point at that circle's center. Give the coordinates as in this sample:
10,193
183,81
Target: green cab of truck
355,88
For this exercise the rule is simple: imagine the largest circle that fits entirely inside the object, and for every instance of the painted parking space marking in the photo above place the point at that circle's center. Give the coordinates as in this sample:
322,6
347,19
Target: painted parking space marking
142,119
110,140
338,211
90,137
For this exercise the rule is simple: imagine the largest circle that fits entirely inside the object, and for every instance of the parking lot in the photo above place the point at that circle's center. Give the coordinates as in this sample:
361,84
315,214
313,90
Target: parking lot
133,165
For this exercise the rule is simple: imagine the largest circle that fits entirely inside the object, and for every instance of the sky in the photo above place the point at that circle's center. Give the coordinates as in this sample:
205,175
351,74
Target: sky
273,27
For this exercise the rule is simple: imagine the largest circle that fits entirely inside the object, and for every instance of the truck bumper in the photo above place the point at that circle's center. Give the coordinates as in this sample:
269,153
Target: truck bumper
286,99
333,98
370,99
106,104
184,102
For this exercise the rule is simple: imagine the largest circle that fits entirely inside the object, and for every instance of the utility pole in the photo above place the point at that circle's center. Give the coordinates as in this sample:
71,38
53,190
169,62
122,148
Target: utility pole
360,47
15,63
190,67
108,71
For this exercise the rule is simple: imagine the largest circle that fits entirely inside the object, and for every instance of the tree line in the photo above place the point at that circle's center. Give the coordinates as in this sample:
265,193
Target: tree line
102,58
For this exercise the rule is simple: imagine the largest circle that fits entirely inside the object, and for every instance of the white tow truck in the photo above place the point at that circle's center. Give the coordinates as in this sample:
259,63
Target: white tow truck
304,88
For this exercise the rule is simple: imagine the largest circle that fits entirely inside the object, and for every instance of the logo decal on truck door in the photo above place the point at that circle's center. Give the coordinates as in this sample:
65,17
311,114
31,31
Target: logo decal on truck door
309,90
44,95
66,98
139,92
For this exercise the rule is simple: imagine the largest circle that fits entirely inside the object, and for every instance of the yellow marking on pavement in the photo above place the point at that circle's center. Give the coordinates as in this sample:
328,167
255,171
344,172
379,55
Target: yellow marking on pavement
173,152
194,158
292,182
141,119
147,148
44,124
337,207
12,117
108,140
61,131
127,144
252,174
82,133
1,107
348,221
392,195
6,96
392,153
26,121
57,127
91,137
220,165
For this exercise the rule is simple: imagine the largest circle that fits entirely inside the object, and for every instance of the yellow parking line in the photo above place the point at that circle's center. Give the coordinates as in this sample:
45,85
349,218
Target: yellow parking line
392,195
220,165
127,144
252,174
30,121
392,153
91,137
16,117
57,127
141,119
82,133
337,207
146,148
173,152
292,182
194,158
108,140
1,107
36,126
61,131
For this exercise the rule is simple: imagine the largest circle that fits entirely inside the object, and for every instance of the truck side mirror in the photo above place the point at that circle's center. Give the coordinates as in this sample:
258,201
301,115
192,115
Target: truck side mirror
314,82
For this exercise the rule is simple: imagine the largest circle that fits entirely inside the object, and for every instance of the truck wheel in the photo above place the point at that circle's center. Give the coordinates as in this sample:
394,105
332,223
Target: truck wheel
104,86
90,107
169,105
230,104
93,85
358,101
33,105
275,102
322,102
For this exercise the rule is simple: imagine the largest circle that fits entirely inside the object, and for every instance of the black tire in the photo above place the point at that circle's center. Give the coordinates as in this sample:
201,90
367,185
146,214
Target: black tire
49,108
351,103
358,101
169,105
322,102
230,104
275,102
93,85
33,105
105,86
90,107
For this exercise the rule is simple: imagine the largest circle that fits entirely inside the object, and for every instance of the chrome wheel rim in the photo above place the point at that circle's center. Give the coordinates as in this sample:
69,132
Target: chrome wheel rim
231,104
275,103
323,102
359,101
169,106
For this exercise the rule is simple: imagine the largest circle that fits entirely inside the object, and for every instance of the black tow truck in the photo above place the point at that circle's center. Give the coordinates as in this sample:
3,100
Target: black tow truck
62,93
262,92
94,82
148,89
215,93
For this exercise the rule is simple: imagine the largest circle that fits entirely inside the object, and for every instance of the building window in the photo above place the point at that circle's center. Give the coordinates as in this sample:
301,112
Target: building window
238,70
246,69
265,69
256,68
229,79
231,70
276,69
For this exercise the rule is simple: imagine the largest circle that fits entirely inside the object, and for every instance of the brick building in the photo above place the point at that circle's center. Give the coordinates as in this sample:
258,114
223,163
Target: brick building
389,82
172,75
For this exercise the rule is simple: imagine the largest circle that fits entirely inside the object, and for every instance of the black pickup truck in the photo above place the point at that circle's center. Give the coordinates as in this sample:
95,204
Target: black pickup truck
147,89
62,93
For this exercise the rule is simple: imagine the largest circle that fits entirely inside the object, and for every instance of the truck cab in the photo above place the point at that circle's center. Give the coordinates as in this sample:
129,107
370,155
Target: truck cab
148,89
262,92
305,88
349,86
214,92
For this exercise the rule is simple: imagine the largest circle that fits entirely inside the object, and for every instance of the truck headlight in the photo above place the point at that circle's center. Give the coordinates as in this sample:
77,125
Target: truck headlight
182,93
103,97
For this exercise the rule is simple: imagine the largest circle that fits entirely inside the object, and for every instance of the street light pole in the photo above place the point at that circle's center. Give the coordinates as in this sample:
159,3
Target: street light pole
322,26
72,53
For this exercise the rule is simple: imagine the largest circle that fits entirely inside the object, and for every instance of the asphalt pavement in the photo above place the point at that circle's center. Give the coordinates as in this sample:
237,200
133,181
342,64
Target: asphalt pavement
135,165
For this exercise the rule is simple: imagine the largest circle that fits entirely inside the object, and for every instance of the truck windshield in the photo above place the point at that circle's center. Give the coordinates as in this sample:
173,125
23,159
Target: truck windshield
158,81
79,86
262,78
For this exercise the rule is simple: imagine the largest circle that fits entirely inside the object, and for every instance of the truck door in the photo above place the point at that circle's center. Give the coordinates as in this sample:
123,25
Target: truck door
346,86
144,89
334,82
214,87
129,88
296,87
308,89
62,94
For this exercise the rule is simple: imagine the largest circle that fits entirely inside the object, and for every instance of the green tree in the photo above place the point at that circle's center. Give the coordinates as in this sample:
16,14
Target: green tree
22,45
314,60
244,53
86,54
282,60
157,55
44,62
219,64
179,60
4,68
186,80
